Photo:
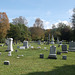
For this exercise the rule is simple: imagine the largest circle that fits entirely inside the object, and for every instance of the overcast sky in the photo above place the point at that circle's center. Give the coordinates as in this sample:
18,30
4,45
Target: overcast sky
50,11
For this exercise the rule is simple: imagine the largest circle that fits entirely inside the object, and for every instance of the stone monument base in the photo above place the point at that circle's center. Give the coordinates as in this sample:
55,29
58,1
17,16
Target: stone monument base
72,49
64,51
52,56
7,50
52,42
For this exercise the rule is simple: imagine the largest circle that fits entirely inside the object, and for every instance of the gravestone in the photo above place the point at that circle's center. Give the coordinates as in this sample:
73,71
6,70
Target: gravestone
1,45
72,46
60,43
25,43
6,63
20,55
64,57
29,45
64,49
39,47
45,48
16,50
41,55
9,42
39,42
57,40
0,53
58,53
18,46
9,53
32,47
52,41
52,54
22,47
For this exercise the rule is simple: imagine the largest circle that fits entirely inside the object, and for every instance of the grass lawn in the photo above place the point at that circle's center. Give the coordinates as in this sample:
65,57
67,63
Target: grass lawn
31,64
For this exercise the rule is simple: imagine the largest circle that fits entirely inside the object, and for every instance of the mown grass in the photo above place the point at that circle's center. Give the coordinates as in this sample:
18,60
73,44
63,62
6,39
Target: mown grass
31,64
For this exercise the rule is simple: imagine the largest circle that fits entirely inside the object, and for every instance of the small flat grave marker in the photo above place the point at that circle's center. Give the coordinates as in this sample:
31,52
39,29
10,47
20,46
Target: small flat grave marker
64,57
41,55
6,63
22,47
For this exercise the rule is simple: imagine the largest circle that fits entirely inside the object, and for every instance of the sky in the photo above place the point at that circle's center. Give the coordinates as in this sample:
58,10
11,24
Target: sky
49,11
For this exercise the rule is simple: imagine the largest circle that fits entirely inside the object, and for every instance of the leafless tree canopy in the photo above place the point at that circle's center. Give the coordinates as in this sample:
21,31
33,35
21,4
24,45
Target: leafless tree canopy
20,20
38,23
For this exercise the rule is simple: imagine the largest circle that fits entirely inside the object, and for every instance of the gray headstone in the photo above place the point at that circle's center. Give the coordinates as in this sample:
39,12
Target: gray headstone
72,46
64,49
64,57
16,50
41,55
52,54
25,43
6,63
39,42
22,47
58,53
18,46
57,40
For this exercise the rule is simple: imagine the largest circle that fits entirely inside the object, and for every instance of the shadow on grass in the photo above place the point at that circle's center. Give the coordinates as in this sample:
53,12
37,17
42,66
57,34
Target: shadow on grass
63,70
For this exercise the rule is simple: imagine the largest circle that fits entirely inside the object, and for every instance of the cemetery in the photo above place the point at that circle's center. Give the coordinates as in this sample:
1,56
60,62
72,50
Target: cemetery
31,58
37,37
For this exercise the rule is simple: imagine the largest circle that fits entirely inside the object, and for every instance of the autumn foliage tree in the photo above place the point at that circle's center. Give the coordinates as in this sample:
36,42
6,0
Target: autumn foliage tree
37,33
4,25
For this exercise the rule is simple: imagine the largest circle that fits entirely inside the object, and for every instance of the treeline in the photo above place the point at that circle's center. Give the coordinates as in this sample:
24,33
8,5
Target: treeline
19,31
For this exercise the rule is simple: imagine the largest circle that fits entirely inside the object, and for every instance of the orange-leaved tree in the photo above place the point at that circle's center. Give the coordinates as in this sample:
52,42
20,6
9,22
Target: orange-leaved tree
4,25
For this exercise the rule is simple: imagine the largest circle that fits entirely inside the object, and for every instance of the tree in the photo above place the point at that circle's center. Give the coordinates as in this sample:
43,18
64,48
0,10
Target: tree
65,31
19,32
73,19
14,32
4,25
73,23
37,33
47,32
20,20
38,23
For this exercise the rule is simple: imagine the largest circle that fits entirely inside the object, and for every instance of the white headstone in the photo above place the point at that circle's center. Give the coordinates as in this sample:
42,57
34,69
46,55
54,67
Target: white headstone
32,47
52,41
22,47
9,53
10,47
